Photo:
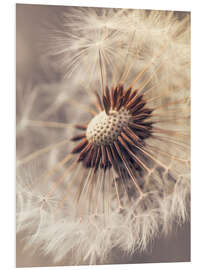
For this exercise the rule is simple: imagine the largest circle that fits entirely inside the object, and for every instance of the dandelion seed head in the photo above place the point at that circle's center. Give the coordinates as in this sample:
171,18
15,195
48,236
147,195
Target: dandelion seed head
122,176
104,129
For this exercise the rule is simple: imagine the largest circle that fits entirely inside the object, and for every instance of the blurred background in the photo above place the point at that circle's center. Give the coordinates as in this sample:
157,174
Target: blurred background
33,68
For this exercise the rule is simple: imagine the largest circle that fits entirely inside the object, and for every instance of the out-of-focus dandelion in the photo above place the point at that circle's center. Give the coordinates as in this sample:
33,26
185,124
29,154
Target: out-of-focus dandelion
126,177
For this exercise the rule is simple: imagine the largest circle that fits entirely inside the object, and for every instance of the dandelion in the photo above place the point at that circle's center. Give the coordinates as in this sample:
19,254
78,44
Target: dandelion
126,176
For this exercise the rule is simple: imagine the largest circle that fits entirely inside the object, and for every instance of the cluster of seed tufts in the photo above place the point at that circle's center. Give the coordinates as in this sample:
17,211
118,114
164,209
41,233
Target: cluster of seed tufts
104,129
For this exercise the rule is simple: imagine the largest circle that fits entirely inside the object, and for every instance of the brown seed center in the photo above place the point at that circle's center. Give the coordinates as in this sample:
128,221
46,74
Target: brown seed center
104,129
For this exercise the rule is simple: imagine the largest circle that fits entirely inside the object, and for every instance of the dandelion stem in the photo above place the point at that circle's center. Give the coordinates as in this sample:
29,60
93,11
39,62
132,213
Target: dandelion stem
101,72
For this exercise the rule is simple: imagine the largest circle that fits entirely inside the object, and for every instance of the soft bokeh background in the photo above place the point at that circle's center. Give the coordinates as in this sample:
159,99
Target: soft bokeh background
32,67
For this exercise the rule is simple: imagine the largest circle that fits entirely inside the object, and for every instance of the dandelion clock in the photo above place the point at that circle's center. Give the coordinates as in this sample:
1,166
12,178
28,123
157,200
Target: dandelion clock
103,134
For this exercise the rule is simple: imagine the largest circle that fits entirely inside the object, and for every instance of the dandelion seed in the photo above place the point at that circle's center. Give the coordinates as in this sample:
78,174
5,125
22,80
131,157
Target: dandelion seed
111,136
